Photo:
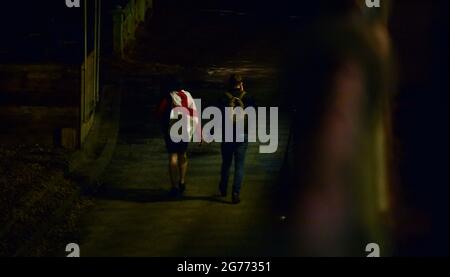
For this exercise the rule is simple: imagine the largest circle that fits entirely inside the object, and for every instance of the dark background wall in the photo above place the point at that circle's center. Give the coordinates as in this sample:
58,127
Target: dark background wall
420,34
37,31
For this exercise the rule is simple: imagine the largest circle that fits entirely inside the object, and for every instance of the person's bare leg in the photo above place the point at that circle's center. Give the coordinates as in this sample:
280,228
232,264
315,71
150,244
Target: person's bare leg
173,170
182,165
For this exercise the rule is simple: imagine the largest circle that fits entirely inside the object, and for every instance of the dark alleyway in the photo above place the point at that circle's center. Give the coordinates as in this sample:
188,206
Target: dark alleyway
132,216
362,94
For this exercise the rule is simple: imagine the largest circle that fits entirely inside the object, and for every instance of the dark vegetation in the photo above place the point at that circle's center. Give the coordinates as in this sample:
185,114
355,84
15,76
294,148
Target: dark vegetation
39,206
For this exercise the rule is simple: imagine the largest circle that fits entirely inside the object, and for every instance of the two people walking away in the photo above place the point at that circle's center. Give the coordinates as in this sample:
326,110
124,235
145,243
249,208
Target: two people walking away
175,96
235,97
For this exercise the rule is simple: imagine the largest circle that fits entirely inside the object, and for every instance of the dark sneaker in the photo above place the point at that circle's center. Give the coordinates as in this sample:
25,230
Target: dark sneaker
236,199
222,193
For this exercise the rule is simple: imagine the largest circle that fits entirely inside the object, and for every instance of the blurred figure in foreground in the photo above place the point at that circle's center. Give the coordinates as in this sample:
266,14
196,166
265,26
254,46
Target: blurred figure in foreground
341,84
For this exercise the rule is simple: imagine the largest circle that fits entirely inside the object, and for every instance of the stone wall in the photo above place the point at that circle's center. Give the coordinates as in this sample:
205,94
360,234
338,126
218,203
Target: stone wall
39,104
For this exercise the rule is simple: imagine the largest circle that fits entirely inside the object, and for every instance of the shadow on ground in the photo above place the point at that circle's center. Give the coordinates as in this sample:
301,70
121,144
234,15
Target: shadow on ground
151,196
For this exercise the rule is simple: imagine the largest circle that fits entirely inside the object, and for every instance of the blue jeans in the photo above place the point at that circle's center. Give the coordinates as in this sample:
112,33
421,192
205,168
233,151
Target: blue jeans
238,151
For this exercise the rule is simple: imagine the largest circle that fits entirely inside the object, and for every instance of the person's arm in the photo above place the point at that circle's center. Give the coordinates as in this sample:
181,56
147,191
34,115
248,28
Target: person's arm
162,114
162,108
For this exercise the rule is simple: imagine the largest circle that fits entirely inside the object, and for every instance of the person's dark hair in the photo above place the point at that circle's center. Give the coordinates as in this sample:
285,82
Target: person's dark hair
234,81
171,83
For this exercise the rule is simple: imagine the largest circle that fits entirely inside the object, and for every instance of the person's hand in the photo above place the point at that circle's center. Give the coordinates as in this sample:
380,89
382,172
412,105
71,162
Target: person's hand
203,142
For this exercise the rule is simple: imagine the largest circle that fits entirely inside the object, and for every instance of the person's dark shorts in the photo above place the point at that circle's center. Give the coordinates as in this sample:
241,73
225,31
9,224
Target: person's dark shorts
175,147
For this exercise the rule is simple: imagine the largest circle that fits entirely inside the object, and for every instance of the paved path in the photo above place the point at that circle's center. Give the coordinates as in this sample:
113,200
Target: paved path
133,217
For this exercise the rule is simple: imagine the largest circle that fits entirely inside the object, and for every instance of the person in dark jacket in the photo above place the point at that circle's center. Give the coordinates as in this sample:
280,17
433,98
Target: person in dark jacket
235,97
